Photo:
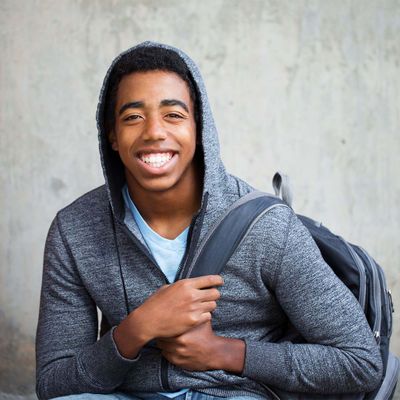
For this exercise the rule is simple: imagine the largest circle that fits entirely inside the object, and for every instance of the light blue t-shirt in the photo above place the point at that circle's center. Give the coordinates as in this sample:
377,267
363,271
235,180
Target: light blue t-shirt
168,253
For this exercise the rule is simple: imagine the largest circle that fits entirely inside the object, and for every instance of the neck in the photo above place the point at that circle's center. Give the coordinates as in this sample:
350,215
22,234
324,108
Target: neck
170,210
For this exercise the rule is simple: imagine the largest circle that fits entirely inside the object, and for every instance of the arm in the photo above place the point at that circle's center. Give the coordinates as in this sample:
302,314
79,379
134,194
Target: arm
170,311
199,349
341,354
69,360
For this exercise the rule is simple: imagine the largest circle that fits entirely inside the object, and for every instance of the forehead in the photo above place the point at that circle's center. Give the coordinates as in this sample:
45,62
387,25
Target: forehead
152,86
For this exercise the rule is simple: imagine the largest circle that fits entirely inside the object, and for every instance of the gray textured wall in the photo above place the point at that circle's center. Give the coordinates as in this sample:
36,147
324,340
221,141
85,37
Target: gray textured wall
308,87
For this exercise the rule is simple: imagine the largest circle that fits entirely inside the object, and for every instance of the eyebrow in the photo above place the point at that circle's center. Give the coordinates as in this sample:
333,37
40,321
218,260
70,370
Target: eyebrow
132,104
163,103
174,102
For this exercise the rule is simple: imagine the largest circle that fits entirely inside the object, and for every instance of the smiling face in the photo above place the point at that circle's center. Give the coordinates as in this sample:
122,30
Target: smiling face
155,131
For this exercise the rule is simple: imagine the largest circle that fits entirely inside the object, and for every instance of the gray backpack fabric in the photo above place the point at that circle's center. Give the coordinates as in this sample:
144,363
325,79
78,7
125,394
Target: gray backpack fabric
352,264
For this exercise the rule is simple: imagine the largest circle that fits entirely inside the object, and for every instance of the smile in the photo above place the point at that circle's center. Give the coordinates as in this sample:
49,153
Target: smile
156,160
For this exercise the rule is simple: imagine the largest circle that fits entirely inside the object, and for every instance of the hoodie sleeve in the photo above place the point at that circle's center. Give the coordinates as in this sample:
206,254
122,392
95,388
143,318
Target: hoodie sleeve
69,359
341,354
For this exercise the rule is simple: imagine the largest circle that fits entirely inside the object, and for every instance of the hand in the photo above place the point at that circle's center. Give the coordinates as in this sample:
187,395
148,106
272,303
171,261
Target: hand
170,311
192,349
199,349
176,308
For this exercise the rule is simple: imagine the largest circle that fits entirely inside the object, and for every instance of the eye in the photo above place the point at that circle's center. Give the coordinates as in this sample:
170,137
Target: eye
174,115
132,117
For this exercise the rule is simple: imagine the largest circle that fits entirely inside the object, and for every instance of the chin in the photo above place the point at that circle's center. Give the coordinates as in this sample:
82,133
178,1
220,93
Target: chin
157,187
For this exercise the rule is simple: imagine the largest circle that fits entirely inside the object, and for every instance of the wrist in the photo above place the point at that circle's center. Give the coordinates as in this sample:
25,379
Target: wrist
140,326
229,354
129,336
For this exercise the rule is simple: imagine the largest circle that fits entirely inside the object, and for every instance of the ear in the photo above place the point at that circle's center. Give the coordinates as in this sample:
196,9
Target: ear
112,138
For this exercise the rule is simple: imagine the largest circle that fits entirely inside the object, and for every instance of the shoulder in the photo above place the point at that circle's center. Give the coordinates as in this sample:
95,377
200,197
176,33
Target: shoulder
273,227
237,186
86,212
90,201
277,218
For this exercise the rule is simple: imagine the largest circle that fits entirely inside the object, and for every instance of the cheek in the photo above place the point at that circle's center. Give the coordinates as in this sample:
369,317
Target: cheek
191,146
126,139
194,139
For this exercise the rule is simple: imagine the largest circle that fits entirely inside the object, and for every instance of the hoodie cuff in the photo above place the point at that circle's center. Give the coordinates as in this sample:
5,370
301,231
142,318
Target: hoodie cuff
104,365
119,355
265,361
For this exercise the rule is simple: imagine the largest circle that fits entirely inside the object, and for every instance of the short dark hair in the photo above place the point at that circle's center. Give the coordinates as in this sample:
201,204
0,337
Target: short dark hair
146,59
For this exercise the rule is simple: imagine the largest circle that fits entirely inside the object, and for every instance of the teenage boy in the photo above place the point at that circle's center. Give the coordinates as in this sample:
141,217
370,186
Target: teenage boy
124,247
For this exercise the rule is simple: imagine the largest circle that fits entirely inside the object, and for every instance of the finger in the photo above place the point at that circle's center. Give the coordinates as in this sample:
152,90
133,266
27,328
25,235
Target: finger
207,281
209,294
171,357
166,346
161,342
205,317
167,355
208,306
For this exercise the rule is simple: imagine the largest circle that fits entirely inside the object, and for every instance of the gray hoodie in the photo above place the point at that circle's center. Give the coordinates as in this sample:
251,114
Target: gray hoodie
276,278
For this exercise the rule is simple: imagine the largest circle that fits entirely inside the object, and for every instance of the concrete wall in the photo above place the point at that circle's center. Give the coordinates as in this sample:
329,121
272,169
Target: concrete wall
308,87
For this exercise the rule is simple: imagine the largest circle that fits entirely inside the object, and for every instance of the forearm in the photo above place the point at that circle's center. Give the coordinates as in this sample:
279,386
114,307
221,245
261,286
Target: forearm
339,353
129,335
311,368
69,358
228,354
94,368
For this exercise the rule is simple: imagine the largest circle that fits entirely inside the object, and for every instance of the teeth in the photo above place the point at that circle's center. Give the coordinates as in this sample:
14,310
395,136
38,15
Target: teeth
156,160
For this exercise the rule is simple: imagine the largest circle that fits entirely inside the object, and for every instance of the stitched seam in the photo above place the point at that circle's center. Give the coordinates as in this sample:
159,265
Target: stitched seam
279,265
238,187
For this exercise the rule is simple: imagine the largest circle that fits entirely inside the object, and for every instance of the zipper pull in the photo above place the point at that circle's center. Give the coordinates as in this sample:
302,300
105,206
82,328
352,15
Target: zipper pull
390,300
377,336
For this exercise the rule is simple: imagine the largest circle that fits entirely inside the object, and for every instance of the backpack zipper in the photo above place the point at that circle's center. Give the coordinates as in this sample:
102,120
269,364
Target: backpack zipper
361,269
387,299
377,297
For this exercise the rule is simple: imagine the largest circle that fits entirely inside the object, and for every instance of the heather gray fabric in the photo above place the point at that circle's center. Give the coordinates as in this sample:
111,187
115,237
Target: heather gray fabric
275,278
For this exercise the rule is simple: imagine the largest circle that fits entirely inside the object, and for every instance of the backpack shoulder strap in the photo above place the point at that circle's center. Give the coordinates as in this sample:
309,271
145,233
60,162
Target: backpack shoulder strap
228,232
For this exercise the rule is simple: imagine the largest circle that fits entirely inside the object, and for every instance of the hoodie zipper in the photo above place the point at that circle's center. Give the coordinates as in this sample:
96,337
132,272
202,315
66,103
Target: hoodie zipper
192,239
194,232
164,363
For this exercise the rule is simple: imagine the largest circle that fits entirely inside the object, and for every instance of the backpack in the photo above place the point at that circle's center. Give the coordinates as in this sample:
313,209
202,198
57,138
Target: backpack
351,263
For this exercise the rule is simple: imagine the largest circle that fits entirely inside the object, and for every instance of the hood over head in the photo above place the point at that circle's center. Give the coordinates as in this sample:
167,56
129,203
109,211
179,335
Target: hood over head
113,169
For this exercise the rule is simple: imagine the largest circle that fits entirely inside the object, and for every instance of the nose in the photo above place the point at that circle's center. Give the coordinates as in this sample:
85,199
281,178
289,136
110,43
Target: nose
154,129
